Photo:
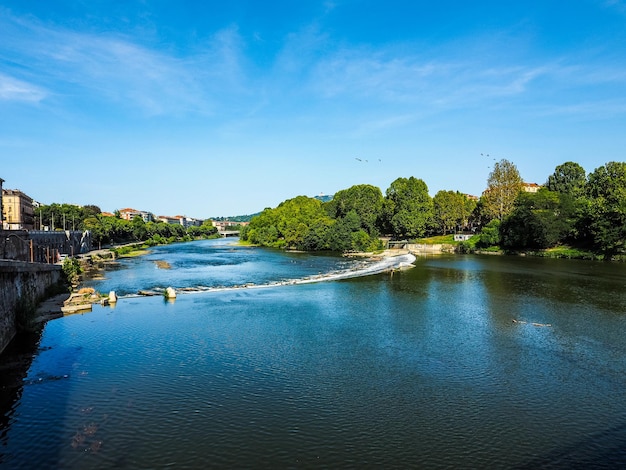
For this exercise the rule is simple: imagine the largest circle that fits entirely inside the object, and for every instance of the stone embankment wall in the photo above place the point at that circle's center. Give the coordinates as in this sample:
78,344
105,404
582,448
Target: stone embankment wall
21,284
423,249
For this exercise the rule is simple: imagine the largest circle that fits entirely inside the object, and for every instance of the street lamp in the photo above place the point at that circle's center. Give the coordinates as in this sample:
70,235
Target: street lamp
30,244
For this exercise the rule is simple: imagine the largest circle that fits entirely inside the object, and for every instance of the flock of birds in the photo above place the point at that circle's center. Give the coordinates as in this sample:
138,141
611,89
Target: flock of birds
363,160
487,155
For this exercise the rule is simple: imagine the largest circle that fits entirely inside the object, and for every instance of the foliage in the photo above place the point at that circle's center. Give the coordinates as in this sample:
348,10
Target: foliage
408,208
303,223
112,230
568,178
71,271
289,225
604,218
236,218
365,200
64,216
490,234
451,210
468,246
584,214
539,220
503,186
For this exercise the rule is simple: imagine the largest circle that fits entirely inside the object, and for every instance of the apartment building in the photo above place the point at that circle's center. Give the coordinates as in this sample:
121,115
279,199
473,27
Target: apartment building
17,210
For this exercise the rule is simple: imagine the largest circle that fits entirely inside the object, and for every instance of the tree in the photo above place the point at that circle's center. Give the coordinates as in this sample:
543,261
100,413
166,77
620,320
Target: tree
537,221
503,186
490,234
605,214
451,209
139,229
289,225
568,178
408,208
91,210
365,200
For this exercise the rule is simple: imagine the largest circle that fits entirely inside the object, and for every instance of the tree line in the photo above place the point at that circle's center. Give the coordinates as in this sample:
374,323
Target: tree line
573,208
114,230
355,218
586,211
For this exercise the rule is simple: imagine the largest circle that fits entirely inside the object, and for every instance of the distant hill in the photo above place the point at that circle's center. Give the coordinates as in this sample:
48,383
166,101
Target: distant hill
236,218
324,197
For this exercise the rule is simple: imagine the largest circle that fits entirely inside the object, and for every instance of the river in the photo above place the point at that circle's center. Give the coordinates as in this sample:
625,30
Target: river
458,362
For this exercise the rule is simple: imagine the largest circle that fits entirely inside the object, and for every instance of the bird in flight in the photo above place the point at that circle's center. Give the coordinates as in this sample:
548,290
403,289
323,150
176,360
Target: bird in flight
356,158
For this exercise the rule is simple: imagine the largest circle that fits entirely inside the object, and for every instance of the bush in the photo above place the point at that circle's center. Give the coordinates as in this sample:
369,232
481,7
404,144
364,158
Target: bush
490,234
71,271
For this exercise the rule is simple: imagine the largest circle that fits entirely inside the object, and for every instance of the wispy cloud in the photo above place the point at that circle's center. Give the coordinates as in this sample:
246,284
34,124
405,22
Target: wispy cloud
415,80
12,89
115,68
310,69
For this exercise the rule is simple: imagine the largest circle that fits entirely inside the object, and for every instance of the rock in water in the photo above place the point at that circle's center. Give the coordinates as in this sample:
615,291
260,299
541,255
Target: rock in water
170,293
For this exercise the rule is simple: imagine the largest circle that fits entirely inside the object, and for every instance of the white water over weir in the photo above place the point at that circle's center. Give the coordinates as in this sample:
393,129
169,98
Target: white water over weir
367,268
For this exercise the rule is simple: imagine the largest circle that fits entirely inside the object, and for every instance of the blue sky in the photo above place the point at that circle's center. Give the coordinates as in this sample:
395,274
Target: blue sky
214,108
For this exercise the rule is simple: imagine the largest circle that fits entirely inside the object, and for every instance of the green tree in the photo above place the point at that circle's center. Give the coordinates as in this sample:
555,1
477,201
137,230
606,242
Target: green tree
605,212
538,221
490,234
568,178
365,200
140,232
503,186
408,208
451,209
288,225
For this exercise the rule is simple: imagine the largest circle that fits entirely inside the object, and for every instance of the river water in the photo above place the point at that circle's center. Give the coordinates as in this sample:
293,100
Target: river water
459,362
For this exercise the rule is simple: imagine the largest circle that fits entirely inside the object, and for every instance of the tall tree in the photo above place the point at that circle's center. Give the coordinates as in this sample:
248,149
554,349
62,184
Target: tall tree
452,209
568,178
364,199
606,209
503,186
408,207
539,220
290,224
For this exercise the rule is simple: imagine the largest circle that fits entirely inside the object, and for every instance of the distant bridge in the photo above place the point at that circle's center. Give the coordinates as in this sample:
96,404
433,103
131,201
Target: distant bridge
229,233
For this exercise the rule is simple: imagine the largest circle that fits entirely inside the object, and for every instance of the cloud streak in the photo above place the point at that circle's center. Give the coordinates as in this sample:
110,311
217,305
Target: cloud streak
219,79
13,89
113,68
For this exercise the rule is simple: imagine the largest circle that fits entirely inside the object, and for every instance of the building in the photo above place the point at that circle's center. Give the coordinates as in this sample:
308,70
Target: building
17,210
531,187
176,220
130,214
180,220
224,225
462,237
1,210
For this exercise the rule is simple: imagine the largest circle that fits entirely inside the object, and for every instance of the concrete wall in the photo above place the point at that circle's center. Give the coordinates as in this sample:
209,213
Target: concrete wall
21,283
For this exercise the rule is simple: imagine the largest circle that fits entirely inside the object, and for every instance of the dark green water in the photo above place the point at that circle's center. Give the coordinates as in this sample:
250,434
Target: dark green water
424,368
